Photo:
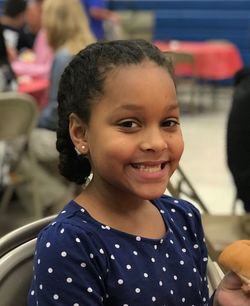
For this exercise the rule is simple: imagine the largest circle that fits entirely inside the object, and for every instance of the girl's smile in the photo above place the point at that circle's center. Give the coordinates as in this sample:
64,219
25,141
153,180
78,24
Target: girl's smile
153,170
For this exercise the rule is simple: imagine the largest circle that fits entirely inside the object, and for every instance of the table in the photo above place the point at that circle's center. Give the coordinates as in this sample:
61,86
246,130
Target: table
214,60
38,88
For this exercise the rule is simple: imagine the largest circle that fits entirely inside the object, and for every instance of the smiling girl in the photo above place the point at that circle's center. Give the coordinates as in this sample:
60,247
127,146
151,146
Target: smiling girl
121,242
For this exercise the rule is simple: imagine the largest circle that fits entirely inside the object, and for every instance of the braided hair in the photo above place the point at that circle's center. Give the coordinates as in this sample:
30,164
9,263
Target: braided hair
82,83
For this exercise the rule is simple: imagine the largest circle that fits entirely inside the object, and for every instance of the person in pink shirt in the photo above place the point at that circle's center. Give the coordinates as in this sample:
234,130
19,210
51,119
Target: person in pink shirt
38,63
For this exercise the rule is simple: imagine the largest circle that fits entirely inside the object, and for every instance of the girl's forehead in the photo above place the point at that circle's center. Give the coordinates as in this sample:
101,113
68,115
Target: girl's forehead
138,83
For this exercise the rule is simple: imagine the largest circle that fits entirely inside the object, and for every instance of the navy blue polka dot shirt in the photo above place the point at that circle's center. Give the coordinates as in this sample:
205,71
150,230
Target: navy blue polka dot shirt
82,262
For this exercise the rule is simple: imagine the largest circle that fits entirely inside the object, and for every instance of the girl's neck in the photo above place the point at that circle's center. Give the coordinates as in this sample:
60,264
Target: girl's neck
113,200
128,214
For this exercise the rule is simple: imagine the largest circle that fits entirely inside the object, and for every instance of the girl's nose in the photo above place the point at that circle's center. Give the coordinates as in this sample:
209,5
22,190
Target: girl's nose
154,140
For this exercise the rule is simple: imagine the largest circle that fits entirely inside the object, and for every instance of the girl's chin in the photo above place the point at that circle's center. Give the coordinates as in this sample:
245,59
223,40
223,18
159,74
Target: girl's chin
151,194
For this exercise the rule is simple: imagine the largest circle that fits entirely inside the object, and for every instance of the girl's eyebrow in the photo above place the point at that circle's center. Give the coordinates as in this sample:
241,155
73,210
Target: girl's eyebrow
130,107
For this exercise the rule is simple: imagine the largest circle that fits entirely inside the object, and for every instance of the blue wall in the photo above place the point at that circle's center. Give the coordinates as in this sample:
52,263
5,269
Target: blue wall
198,20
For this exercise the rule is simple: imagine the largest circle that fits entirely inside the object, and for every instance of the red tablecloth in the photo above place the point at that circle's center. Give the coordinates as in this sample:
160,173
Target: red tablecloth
38,88
213,60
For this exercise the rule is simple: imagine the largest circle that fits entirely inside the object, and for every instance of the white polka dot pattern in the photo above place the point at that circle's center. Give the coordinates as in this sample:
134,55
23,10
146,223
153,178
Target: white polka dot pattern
80,261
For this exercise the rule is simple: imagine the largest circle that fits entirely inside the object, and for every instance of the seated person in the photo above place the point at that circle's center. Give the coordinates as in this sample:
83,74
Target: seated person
65,41
238,131
7,76
13,22
37,62
33,17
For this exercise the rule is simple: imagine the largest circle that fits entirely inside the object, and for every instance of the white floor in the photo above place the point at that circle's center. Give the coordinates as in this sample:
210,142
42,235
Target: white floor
204,158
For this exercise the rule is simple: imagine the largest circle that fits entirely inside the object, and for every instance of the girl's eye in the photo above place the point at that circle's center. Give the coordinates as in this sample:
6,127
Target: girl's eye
128,124
170,123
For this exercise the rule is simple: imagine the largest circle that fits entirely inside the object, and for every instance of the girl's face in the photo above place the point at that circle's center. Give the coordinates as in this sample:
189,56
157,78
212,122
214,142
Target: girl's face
134,138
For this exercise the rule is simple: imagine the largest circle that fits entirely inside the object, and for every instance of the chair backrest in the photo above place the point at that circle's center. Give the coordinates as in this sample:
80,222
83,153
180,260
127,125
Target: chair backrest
185,76
18,115
220,230
16,274
137,24
180,187
214,275
182,57
16,260
22,234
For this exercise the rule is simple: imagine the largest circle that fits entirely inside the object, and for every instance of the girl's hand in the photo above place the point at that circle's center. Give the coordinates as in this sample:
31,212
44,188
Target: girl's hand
232,292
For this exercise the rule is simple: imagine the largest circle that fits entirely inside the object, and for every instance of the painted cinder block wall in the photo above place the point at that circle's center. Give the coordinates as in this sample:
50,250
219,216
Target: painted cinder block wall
197,20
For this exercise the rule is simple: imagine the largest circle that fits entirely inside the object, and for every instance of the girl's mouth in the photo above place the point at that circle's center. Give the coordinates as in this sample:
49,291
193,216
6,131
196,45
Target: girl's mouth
151,168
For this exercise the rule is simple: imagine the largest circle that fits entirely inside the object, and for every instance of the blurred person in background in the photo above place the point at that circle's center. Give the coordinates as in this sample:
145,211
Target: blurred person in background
7,76
7,83
238,131
98,14
67,30
35,62
33,17
13,22
66,26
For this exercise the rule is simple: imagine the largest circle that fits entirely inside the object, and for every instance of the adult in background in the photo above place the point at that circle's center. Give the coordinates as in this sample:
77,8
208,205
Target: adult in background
66,26
33,16
7,76
67,30
97,14
35,63
238,131
13,22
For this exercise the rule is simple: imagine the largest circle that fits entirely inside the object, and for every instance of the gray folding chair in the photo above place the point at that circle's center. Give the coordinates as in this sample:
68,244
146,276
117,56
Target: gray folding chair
137,24
187,86
220,230
214,275
18,117
16,260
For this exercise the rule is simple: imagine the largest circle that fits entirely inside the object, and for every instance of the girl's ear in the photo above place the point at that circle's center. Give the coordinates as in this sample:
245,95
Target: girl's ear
78,134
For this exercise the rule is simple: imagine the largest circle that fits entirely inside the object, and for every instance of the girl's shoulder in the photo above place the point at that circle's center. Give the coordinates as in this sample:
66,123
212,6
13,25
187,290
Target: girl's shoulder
72,221
73,231
180,206
73,214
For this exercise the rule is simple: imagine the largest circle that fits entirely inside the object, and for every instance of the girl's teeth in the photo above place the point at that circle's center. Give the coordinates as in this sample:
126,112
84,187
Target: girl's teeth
148,168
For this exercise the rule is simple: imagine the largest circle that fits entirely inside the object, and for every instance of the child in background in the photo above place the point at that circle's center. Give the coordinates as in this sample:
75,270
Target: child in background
121,242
